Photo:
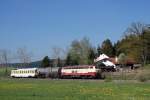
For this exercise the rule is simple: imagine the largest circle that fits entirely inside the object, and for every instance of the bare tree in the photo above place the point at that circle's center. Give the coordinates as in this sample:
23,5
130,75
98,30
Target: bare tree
5,58
136,28
24,56
57,54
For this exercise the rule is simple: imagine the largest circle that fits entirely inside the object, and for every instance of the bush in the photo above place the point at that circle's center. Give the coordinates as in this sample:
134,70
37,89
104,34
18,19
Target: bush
142,78
108,78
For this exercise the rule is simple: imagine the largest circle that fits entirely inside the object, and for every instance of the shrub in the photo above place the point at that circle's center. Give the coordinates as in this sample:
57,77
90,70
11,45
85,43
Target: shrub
108,78
142,78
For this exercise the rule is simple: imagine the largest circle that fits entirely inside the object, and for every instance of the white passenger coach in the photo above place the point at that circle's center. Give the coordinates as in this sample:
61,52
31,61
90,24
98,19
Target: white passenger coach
26,72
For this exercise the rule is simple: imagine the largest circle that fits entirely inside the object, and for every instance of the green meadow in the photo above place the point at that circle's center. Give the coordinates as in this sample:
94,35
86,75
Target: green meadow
47,89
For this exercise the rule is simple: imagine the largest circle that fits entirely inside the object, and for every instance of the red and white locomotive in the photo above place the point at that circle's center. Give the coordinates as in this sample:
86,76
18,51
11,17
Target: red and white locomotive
82,71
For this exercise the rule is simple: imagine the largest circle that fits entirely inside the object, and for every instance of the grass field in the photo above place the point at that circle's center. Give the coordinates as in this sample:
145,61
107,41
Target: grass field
46,89
3,71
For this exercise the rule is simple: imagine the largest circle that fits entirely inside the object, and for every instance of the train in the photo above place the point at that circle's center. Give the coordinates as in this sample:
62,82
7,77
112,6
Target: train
101,65
79,71
84,71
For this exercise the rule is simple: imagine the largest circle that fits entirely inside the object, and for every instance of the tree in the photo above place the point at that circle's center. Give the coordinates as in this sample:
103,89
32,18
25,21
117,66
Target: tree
122,59
4,58
68,60
130,46
107,48
45,62
59,63
75,53
98,51
136,28
79,52
57,54
24,56
91,56
135,40
146,46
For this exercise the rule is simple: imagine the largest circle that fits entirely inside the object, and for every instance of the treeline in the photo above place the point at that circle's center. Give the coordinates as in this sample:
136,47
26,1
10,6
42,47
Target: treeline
135,45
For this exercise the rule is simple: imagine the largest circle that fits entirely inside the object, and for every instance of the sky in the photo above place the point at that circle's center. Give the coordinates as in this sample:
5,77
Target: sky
40,25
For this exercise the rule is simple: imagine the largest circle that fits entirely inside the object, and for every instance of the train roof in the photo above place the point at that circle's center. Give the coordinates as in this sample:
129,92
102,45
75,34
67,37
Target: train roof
26,69
77,66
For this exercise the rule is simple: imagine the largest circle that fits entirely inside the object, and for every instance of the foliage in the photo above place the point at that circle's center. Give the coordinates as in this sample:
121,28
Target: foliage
107,48
45,62
91,56
98,51
80,52
68,60
136,43
122,58
143,75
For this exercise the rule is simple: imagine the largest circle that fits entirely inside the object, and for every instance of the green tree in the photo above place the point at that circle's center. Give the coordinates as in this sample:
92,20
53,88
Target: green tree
79,52
130,45
68,60
91,56
75,52
122,59
107,48
45,62
146,46
135,43
98,51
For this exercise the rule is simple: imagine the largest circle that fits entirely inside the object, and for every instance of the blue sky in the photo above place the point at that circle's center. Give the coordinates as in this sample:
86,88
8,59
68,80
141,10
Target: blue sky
39,25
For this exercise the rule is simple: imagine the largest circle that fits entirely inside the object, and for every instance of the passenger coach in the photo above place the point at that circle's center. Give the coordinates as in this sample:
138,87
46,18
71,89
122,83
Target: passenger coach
26,72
